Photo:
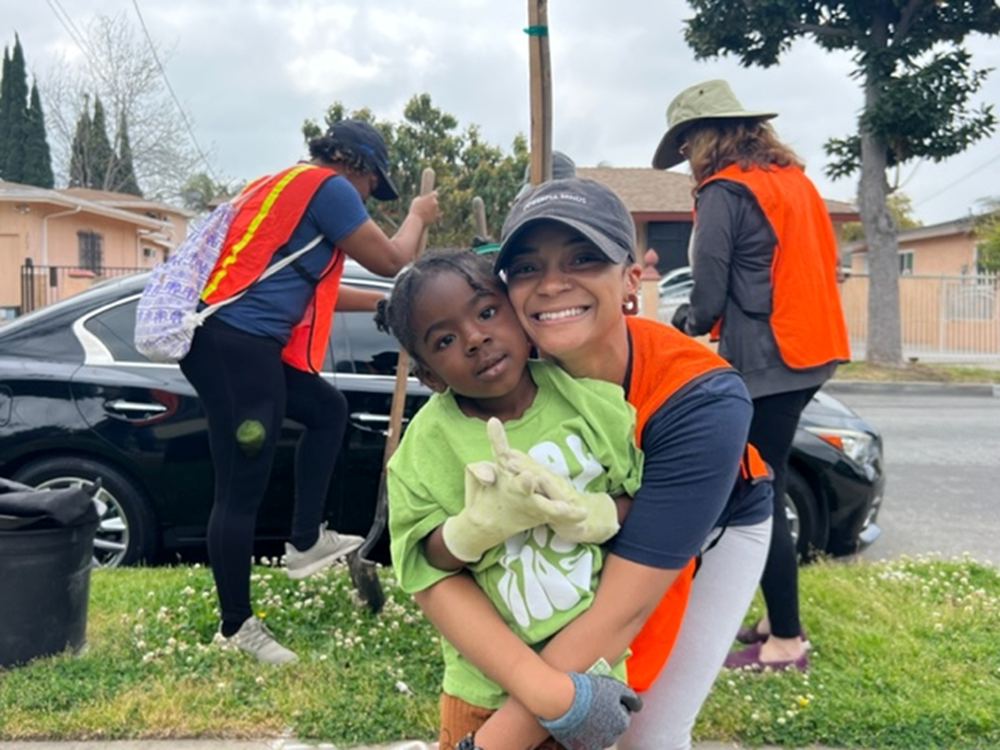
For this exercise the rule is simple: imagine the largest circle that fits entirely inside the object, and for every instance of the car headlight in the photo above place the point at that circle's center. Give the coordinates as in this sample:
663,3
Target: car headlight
857,446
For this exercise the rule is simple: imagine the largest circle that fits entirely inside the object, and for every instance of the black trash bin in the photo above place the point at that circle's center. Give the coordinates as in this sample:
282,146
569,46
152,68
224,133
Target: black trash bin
46,551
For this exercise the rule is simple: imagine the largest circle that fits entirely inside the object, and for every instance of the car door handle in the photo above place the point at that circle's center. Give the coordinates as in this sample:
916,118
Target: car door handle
131,408
377,423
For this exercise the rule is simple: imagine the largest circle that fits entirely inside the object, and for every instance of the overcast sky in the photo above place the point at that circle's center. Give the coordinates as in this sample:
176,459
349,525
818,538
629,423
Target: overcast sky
248,72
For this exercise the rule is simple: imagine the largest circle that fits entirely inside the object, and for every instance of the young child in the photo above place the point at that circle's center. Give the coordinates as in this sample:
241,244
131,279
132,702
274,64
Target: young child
460,497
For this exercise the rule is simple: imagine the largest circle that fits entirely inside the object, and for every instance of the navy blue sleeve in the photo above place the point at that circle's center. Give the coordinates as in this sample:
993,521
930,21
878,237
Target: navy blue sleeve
693,446
335,210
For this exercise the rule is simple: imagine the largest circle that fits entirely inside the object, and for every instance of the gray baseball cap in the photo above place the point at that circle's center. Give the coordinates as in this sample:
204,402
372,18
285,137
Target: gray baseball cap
587,206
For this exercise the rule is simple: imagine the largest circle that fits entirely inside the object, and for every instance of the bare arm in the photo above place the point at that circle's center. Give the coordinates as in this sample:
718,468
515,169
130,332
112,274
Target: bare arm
352,299
463,614
438,554
370,247
626,595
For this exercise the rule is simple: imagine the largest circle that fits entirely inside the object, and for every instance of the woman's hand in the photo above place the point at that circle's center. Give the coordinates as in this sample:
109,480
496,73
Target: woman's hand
601,711
426,207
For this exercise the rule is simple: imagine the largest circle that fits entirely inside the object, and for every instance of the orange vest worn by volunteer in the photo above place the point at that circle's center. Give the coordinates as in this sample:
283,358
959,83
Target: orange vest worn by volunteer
270,209
806,316
666,363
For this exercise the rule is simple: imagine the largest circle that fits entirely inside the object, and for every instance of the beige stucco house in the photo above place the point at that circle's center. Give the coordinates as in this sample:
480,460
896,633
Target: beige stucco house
948,248
74,236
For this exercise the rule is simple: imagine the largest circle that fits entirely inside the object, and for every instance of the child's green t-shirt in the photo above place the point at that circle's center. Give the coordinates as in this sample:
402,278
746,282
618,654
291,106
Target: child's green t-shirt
582,429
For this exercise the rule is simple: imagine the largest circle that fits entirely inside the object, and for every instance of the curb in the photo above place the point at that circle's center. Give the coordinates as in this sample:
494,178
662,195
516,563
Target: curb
912,387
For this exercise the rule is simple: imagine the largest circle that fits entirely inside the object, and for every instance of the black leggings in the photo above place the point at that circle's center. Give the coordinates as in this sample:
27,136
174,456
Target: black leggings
772,430
245,388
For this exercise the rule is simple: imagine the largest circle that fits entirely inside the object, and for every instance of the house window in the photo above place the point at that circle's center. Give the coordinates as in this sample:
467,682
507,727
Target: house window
91,254
905,262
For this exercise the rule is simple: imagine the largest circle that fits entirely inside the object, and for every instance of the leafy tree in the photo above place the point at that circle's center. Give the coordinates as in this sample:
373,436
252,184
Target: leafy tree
14,126
125,180
201,193
987,230
917,82
37,157
124,71
900,207
465,166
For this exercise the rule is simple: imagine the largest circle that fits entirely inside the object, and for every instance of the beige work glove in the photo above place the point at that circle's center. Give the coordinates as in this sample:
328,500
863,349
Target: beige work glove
501,500
601,520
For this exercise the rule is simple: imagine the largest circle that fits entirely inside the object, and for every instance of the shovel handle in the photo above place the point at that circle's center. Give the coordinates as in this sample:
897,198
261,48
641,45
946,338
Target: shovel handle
479,214
403,361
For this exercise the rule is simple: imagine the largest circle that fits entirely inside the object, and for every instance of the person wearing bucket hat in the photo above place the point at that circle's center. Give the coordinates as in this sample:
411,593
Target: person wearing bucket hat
764,262
567,255
256,360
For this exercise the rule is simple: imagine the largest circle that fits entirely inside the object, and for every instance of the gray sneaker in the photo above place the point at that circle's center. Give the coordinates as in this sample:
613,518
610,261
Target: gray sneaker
329,548
255,638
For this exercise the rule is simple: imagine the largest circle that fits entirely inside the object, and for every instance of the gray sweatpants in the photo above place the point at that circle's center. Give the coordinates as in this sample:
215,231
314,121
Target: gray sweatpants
720,596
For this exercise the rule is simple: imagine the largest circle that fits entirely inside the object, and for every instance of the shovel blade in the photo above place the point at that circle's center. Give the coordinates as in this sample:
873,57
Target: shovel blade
364,577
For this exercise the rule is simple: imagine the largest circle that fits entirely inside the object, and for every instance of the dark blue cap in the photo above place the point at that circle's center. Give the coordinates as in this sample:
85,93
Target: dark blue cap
365,141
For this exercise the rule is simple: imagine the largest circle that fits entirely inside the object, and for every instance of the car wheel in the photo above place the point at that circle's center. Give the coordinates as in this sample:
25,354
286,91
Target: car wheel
127,529
809,529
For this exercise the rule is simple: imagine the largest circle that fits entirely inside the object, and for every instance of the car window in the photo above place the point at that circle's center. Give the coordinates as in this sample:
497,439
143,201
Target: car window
359,347
115,327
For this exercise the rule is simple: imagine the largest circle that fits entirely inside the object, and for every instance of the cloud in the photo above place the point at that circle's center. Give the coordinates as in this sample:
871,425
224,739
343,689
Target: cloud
249,72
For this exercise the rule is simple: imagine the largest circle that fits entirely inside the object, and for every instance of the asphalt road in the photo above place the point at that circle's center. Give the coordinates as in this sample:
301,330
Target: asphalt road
942,452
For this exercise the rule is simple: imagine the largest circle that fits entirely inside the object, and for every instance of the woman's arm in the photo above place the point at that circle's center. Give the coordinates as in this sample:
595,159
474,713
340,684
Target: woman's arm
626,595
463,614
370,247
353,299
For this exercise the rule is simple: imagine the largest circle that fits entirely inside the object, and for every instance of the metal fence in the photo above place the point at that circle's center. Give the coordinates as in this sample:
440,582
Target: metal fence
43,285
942,318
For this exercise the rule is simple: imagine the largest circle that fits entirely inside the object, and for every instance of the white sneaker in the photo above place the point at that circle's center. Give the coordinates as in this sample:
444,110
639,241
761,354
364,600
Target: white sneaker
329,548
255,638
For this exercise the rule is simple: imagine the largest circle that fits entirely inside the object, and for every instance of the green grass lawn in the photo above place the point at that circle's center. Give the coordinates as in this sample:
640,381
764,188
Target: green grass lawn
905,655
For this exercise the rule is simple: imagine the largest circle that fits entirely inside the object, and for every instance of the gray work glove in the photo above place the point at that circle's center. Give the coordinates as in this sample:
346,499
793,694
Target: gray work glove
679,321
600,713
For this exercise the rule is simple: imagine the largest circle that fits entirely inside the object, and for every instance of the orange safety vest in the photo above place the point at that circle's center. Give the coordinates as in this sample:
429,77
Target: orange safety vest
270,209
665,363
806,316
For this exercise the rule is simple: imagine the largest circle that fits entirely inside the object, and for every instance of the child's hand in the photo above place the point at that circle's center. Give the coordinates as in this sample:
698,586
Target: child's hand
499,504
600,522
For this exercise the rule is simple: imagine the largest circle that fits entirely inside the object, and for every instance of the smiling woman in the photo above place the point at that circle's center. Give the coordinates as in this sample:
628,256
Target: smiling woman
534,515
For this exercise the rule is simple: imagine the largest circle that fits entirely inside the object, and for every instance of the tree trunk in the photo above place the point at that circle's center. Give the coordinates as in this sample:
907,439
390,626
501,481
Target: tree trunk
883,346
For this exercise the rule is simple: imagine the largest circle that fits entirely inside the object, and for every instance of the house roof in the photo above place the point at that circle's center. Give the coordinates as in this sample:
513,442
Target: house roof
964,225
667,194
13,192
125,201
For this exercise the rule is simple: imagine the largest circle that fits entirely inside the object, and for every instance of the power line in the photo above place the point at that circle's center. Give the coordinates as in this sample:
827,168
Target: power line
964,177
78,38
184,118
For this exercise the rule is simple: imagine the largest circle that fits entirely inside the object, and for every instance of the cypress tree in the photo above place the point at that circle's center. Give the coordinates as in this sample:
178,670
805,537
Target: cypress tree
4,109
38,157
100,156
15,115
125,180
79,161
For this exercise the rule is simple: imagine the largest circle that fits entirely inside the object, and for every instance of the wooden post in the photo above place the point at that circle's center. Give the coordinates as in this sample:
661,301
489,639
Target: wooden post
649,285
540,75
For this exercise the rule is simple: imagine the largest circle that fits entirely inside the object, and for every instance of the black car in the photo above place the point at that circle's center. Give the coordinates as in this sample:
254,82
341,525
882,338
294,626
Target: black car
78,402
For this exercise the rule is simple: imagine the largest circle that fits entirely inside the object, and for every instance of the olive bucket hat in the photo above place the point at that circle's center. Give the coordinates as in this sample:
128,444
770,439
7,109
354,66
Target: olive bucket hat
708,100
